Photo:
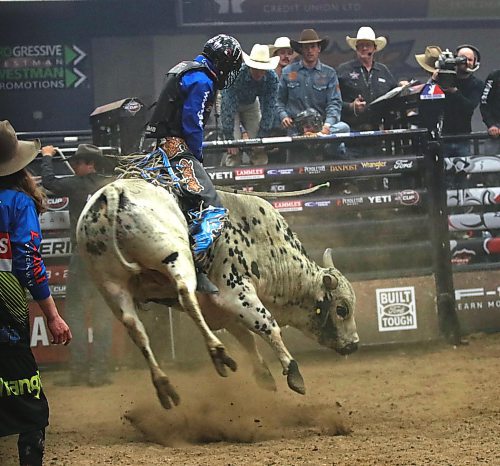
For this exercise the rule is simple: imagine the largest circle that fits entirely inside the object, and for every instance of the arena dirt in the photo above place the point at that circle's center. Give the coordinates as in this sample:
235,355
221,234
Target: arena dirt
421,405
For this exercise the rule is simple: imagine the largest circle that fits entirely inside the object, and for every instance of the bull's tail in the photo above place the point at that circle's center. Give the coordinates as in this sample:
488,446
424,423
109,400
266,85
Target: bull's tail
113,194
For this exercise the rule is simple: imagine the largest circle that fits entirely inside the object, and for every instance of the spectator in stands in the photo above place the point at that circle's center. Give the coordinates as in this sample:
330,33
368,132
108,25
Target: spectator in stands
490,111
282,49
23,406
362,80
86,367
308,83
247,107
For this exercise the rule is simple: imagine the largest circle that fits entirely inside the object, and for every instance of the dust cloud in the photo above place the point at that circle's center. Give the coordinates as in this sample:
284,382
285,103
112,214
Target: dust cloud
234,409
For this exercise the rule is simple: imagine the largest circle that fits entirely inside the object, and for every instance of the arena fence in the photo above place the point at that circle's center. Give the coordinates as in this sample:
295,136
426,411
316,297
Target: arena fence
416,232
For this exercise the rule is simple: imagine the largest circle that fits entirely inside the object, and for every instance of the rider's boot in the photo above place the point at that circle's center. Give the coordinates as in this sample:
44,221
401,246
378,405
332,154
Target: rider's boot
203,283
205,227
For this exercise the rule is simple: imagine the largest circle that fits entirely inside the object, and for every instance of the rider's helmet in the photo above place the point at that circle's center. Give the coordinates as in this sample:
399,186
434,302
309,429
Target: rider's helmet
308,121
226,55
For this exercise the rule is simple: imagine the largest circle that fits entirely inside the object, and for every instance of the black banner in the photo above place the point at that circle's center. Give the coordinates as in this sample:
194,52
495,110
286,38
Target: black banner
194,12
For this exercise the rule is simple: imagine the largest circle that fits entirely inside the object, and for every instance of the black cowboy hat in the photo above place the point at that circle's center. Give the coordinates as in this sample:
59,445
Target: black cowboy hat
87,152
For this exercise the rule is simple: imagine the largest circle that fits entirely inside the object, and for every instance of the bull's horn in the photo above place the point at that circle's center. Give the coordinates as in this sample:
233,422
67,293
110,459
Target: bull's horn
328,258
330,281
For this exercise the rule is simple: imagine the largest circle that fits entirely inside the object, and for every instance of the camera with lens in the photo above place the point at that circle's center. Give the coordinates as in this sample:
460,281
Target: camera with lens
446,66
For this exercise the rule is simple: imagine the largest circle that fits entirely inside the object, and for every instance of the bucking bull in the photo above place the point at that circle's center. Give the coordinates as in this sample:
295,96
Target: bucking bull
134,239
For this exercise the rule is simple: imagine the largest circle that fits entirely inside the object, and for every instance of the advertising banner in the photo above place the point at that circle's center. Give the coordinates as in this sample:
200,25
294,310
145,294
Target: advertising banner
319,171
39,81
286,11
396,310
477,296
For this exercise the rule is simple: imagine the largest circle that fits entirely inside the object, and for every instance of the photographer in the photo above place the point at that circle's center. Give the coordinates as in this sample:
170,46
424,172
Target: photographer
454,74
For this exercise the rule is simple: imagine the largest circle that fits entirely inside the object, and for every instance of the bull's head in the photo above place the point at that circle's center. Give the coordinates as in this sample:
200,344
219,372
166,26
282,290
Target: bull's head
333,320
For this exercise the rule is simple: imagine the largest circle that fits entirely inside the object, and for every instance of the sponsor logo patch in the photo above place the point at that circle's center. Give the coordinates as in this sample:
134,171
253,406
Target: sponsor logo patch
57,203
280,171
313,170
403,164
396,309
381,199
376,165
352,167
409,197
132,107
249,174
350,201
220,175
288,206
317,203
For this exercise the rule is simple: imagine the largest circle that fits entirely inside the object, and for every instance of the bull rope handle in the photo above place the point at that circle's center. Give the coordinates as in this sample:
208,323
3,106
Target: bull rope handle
267,194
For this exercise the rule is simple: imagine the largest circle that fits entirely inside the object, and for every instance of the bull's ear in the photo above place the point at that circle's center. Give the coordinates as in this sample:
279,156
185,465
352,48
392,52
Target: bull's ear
328,258
330,281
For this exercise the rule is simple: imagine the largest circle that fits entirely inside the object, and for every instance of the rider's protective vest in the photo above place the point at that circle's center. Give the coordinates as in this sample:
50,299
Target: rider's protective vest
167,116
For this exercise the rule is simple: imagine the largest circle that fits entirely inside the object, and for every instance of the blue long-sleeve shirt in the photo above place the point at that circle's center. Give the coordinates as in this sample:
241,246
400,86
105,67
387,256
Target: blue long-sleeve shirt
244,91
198,90
301,88
20,238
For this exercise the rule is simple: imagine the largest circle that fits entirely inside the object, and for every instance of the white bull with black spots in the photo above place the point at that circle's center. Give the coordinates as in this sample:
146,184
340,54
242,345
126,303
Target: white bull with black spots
135,241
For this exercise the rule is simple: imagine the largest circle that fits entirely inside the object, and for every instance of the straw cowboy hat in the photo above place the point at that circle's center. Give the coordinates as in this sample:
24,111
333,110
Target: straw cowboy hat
428,59
279,43
366,33
259,58
309,36
14,154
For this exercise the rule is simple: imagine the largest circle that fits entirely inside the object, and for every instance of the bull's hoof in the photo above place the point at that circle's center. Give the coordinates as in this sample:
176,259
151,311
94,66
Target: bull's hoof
166,392
221,359
294,378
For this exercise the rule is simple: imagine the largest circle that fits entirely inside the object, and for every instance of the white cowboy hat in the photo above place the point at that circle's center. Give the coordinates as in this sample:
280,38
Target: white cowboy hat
259,58
279,43
14,154
366,33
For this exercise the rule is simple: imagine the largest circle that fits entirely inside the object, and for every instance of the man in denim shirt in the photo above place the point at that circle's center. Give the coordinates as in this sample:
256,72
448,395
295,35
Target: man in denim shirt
239,102
308,83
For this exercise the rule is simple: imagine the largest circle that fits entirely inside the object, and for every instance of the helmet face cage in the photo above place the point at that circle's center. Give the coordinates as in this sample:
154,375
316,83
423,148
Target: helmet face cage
309,120
226,55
